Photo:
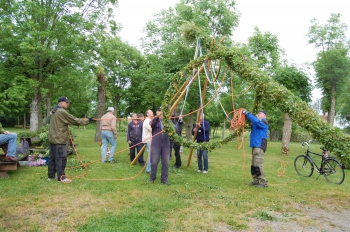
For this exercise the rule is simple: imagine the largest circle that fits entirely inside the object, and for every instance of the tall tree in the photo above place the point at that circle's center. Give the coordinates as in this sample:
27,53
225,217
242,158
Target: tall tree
332,61
40,39
165,39
296,81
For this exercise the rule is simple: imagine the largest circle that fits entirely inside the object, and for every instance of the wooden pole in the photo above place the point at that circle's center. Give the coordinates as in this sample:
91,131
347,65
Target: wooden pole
138,155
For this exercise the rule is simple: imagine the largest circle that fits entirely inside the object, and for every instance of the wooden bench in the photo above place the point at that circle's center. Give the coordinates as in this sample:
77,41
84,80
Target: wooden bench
8,165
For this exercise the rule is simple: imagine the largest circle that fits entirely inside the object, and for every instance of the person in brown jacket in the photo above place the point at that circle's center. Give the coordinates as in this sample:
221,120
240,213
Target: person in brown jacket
109,134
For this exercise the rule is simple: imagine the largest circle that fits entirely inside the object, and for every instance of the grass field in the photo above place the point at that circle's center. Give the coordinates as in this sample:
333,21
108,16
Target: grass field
118,197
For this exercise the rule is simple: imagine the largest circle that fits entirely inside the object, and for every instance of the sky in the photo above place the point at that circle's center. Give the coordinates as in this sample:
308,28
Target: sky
288,19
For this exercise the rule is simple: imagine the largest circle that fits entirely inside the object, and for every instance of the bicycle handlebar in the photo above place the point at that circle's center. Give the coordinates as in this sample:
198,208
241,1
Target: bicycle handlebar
308,145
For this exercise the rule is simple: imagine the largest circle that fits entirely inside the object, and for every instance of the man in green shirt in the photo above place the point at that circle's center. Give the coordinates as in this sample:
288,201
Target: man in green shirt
59,138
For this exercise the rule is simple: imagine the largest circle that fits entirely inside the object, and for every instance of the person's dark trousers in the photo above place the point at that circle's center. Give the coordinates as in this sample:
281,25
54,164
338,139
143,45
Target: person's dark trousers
177,155
160,152
57,160
133,148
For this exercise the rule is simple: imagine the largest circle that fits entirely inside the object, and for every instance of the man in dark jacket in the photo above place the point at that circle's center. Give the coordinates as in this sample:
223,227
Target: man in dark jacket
134,138
58,138
160,149
258,143
203,135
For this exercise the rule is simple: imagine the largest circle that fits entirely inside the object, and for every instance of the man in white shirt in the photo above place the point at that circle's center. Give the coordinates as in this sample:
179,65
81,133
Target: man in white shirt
147,136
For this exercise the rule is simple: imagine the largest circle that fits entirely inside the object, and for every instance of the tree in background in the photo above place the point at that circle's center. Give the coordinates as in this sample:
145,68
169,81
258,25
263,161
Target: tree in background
169,51
296,81
47,42
332,64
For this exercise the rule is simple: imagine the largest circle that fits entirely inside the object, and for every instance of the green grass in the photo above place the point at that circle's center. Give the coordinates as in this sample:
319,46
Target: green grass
116,197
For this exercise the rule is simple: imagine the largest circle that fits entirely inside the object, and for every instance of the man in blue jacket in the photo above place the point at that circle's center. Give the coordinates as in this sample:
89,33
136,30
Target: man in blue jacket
203,131
258,143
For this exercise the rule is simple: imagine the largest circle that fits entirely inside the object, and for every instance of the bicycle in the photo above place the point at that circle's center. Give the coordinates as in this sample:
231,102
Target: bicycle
330,167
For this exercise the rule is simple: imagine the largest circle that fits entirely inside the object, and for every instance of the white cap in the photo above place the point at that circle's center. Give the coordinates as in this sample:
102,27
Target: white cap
110,109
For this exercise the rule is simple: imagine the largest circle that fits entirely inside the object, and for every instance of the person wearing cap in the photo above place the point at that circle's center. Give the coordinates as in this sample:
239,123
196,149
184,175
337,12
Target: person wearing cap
58,137
258,143
147,137
160,149
203,135
10,138
134,138
109,134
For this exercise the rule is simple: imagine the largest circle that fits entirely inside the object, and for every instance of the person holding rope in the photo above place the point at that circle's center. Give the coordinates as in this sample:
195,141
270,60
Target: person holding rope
258,143
134,138
58,137
160,148
203,135
109,134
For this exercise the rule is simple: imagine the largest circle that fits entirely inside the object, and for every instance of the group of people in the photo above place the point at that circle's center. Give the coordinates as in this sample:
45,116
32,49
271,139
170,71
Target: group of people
149,132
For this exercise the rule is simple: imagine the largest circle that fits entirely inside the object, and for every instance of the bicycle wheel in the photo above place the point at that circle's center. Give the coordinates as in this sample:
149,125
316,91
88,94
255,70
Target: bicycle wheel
303,166
333,171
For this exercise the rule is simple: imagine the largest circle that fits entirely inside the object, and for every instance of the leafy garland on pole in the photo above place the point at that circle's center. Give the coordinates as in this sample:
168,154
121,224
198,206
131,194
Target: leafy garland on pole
332,138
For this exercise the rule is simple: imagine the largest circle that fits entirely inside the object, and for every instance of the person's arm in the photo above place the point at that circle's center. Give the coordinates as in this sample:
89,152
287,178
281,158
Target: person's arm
154,122
70,119
114,126
2,131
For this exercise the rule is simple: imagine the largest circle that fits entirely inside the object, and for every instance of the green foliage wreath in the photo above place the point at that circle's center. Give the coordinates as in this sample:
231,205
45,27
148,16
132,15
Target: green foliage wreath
332,138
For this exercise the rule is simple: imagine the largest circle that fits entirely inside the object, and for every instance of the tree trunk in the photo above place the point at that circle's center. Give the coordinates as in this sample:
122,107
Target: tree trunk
189,126
48,105
35,112
101,102
24,120
331,114
287,132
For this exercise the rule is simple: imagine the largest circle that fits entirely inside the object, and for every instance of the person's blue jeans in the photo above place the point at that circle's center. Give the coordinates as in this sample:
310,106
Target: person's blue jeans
148,166
107,137
11,140
202,154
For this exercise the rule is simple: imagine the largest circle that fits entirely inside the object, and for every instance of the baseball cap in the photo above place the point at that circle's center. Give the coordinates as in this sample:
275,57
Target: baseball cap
63,98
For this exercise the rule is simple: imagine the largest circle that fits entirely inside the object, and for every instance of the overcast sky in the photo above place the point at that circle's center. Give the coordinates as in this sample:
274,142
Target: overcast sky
288,19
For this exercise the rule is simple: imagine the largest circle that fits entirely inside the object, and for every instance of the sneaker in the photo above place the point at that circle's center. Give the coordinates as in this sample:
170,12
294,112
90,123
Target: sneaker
151,182
205,172
66,180
50,179
199,171
112,161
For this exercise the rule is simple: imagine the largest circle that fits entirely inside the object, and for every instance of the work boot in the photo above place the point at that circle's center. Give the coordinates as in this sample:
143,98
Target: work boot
261,184
253,183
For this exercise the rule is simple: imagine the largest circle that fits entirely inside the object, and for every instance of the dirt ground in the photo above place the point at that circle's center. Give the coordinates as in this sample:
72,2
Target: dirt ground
308,220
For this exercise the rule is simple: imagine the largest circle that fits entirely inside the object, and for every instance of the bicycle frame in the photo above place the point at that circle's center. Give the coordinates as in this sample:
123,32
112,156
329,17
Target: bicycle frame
324,156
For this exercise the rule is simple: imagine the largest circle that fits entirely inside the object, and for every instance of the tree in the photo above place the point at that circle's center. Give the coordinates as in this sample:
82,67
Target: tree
296,81
49,39
166,45
332,62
